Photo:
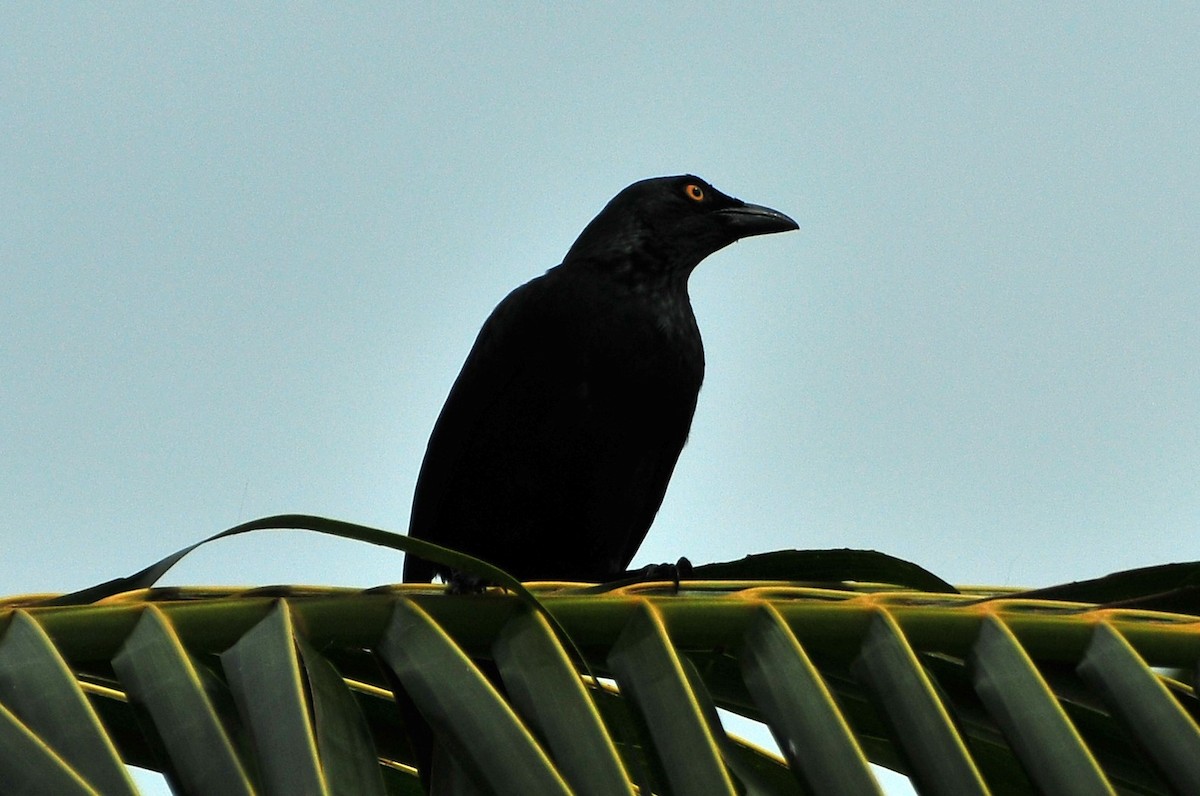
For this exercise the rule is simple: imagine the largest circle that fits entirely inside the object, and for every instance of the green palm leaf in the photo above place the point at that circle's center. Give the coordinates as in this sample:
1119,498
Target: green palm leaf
330,691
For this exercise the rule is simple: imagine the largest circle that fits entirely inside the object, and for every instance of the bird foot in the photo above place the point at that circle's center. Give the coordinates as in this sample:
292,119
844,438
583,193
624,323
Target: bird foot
462,583
680,570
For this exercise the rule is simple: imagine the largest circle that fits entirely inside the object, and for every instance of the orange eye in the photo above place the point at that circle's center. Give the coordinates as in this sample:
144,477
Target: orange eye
694,192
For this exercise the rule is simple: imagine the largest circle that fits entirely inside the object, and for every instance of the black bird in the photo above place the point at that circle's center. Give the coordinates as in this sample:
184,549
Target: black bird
556,443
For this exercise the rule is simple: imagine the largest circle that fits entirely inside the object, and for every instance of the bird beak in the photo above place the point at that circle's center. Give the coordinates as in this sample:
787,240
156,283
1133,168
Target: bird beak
749,220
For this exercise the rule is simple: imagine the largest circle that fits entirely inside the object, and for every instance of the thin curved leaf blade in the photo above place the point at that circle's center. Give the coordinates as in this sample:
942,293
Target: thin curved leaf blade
264,675
160,676
649,672
348,758
28,766
1008,682
940,763
37,685
546,689
826,566
1164,730
801,712
486,737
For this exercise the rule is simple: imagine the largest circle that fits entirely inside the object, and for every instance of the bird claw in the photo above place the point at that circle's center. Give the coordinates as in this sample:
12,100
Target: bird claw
680,570
462,583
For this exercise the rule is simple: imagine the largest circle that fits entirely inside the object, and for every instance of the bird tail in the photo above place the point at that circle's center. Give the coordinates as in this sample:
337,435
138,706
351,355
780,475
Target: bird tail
417,570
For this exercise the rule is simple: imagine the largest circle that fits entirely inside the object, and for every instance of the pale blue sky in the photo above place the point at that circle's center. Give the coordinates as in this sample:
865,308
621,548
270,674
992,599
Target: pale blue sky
244,253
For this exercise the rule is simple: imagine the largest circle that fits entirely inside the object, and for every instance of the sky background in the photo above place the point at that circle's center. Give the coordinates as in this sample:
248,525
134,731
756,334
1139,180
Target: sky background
245,251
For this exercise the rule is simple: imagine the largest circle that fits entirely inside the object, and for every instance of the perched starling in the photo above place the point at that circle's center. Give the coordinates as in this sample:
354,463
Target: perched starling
555,446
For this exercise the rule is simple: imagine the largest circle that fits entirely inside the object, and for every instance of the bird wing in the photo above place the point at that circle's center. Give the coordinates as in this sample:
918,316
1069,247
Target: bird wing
498,359
659,469
558,438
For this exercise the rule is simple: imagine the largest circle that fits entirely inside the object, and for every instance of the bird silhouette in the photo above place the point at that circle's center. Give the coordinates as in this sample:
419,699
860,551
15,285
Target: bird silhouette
555,446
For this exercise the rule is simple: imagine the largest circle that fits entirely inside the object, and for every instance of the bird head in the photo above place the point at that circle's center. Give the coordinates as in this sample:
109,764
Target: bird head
667,225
